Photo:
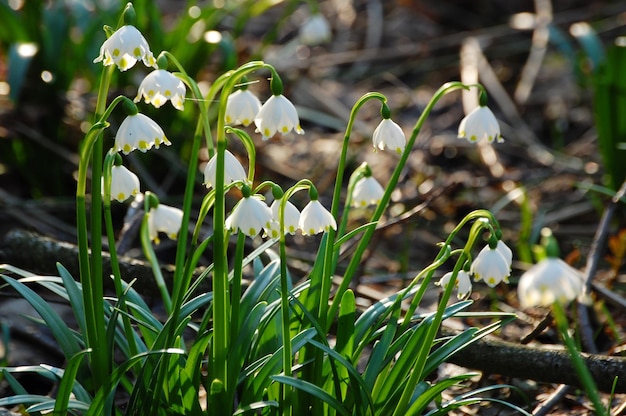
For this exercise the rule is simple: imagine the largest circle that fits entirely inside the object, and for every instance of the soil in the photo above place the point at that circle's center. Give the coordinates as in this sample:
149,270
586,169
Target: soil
549,166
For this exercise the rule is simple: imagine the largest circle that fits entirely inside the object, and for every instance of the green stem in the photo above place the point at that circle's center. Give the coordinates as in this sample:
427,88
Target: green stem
91,266
382,206
329,265
236,290
221,307
433,328
115,267
150,255
579,365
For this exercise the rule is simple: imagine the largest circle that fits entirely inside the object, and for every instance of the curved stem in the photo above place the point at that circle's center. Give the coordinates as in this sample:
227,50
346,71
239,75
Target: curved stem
382,205
579,365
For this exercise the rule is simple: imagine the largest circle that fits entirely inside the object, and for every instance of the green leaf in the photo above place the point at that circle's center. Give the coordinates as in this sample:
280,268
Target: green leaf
255,406
59,329
69,384
426,397
313,390
108,389
74,295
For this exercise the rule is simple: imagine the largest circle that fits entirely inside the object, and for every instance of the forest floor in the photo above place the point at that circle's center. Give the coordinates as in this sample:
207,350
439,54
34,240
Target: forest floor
546,168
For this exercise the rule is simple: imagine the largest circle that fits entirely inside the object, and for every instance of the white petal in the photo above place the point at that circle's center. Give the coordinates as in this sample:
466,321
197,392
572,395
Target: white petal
367,191
242,107
278,114
164,219
233,171
124,183
490,266
551,280
314,219
388,134
139,132
250,216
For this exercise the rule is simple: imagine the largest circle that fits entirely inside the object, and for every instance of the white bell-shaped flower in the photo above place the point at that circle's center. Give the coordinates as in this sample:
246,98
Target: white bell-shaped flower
250,215
291,219
551,280
139,132
314,219
490,266
164,219
233,171
124,48
480,124
242,107
388,134
462,283
506,252
367,191
315,30
161,85
278,114
124,183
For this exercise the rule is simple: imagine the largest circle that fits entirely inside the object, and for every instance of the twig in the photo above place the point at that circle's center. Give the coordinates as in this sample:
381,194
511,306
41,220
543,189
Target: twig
558,394
586,330
541,36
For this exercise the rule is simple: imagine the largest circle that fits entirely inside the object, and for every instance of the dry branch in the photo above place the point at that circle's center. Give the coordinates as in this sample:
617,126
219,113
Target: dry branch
494,356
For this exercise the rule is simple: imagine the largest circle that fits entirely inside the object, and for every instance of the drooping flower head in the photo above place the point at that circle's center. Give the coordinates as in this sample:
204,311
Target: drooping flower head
138,131
124,183
367,191
480,124
315,30
250,215
242,107
490,266
164,219
388,134
124,48
159,86
462,283
315,219
551,280
233,171
291,218
277,115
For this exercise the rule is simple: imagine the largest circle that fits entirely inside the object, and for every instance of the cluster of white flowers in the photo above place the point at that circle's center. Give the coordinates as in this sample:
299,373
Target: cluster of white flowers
127,46
277,115
492,265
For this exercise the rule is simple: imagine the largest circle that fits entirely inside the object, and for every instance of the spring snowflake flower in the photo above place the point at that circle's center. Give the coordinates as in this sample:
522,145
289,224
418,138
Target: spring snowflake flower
463,283
506,252
315,30
551,280
242,107
124,183
490,266
480,124
164,219
278,114
291,219
233,171
124,48
250,215
367,191
389,134
314,219
159,86
139,132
